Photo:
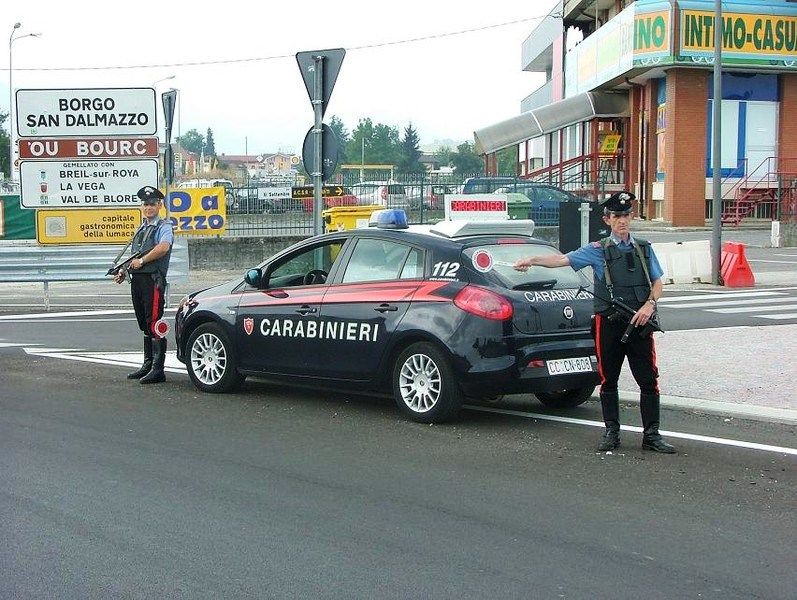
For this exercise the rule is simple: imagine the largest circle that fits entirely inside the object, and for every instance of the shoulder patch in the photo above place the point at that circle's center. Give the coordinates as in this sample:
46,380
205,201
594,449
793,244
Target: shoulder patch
595,244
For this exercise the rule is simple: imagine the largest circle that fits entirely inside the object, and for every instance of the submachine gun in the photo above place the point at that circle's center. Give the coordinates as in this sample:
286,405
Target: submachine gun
624,313
122,266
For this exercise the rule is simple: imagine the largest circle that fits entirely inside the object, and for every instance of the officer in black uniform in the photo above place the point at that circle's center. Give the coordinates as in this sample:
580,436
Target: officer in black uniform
624,268
154,241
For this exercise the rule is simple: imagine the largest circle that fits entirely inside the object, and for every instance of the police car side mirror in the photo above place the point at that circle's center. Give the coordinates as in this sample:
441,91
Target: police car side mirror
253,277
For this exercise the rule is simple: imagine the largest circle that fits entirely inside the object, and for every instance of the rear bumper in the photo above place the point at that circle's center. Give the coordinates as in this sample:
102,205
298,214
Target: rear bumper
527,371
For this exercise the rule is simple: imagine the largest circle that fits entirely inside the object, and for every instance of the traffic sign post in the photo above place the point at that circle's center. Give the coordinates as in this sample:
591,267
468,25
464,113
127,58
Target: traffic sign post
319,69
169,100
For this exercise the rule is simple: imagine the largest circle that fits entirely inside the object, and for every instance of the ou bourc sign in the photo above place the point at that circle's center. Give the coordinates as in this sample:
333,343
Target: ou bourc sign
53,148
86,112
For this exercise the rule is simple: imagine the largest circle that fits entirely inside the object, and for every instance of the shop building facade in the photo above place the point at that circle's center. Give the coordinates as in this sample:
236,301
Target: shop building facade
628,100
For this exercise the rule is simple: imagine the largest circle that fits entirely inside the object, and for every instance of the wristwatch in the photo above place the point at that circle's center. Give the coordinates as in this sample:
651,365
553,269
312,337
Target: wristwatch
652,301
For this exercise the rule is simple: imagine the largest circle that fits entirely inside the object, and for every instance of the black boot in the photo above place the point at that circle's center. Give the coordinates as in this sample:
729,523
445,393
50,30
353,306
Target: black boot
156,375
610,404
145,368
651,438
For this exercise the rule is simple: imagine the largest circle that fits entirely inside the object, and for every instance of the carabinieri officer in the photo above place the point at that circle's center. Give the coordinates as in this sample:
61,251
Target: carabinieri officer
154,240
624,268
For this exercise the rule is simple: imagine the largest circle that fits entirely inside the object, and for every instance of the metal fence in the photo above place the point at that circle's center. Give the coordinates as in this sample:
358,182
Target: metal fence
252,212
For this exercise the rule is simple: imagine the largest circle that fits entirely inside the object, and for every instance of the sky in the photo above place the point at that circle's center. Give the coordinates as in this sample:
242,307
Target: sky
447,84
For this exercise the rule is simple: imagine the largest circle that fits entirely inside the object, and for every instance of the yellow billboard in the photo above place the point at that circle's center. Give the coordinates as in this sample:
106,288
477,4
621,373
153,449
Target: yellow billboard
198,211
86,226
754,35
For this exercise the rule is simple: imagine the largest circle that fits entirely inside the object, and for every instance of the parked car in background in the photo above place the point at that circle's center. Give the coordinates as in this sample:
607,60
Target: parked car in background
429,196
231,196
487,184
545,200
391,195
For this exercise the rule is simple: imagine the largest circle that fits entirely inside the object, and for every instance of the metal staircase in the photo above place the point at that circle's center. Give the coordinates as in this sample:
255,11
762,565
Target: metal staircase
760,192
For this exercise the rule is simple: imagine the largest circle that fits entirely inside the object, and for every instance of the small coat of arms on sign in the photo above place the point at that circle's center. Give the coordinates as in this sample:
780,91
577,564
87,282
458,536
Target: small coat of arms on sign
249,325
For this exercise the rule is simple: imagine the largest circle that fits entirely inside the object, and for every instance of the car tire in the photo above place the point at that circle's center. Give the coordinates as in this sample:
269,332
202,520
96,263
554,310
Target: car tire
565,398
424,385
211,361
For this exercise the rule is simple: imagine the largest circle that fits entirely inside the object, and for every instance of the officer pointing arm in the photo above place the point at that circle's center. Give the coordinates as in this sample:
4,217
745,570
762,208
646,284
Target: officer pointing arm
626,268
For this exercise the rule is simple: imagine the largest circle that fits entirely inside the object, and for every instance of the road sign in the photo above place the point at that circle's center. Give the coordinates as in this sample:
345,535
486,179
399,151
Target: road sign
329,152
328,191
93,226
86,112
82,149
88,184
332,59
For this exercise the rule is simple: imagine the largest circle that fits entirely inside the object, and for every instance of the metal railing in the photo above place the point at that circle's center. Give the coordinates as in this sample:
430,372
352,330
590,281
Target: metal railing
22,262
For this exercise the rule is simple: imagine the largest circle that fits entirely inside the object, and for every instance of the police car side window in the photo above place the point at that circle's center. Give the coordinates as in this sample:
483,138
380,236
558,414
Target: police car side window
375,260
291,272
413,266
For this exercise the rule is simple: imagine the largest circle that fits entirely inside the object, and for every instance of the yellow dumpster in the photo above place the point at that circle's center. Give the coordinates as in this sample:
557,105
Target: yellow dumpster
339,218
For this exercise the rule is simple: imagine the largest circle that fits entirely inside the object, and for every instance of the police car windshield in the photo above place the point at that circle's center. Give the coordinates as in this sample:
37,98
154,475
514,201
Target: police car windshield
499,260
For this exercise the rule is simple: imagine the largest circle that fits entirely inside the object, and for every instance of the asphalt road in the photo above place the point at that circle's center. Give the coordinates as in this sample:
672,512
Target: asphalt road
109,489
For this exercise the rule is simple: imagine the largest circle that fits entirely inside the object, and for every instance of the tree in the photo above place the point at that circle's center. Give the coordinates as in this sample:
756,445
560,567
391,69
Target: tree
210,146
385,145
4,146
507,160
444,155
409,161
192,141
336,125
358,148
466,161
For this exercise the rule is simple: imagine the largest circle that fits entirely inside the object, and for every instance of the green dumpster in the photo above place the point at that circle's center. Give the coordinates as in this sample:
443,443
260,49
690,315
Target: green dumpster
518,206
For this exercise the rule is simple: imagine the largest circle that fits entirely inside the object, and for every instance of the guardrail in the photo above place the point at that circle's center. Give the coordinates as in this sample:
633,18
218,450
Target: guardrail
22,262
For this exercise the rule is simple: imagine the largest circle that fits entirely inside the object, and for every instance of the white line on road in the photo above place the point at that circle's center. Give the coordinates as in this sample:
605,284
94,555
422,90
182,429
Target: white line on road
778,317
751,309
131,359
780,262
635,429
76,313
704,296
719,302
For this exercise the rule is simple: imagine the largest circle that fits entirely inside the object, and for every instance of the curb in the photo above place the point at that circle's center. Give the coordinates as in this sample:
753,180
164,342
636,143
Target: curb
786,416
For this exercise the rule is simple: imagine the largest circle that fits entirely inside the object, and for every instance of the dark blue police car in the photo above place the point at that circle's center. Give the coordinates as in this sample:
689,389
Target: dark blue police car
435,314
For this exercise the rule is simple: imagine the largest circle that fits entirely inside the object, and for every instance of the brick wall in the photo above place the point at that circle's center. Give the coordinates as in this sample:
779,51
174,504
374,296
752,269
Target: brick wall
787,124
685,147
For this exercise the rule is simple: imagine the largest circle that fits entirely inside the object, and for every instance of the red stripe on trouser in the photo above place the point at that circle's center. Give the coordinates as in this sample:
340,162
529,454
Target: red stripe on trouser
653,366
156,296
598,324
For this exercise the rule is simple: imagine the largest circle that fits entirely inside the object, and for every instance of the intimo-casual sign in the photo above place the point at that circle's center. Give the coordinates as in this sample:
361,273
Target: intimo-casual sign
86,112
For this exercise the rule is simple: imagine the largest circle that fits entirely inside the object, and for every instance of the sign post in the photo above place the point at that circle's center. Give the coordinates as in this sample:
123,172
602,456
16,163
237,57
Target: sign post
319,69
169,101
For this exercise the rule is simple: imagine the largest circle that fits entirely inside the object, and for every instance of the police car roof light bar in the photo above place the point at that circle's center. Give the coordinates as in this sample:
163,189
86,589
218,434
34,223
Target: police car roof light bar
391,218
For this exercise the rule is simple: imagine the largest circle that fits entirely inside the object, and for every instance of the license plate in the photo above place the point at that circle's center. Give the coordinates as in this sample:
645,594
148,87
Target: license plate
563,366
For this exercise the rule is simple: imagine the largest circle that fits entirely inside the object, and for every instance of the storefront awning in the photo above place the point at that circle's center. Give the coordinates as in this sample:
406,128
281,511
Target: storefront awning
547,119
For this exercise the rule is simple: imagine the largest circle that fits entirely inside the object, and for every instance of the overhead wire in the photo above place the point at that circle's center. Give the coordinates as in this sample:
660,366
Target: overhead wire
282,56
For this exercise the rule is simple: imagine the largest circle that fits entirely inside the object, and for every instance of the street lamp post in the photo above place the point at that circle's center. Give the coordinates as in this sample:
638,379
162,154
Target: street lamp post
11,40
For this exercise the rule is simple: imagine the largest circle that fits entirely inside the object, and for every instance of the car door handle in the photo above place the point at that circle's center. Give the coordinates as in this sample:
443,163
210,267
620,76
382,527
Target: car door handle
386,308
306,310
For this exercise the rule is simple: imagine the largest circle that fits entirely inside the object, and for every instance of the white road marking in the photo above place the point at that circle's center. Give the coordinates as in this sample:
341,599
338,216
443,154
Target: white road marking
719,302
635,429
76,313
750,309
778,317
128,359
712,295
780,262
75,320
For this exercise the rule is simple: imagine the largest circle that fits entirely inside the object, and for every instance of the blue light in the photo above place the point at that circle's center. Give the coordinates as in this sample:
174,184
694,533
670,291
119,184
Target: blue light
393,218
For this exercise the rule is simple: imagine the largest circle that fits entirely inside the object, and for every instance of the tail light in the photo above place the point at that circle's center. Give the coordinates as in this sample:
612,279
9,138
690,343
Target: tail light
484,303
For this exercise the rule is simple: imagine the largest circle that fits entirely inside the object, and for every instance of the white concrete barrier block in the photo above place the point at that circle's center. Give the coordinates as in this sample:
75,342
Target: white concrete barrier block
684,262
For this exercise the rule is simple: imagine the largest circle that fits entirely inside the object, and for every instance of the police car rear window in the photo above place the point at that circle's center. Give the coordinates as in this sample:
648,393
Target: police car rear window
498,260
